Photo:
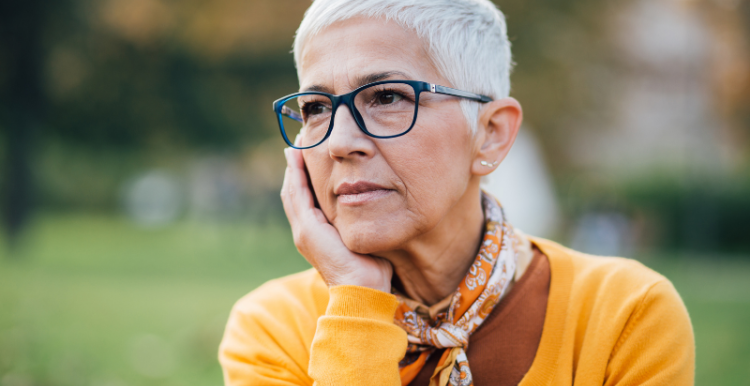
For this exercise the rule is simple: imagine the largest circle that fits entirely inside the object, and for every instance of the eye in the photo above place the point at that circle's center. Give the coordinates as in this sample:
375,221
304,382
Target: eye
315,108
388,97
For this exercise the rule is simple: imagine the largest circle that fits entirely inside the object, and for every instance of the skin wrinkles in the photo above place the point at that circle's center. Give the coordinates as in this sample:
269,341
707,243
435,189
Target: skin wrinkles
362,80
430,225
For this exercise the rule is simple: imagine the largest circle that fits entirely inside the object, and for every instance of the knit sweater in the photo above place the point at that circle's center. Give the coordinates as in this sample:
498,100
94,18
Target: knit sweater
609,321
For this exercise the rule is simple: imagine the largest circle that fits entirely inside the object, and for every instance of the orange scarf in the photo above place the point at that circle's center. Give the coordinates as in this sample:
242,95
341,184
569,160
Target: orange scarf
488,279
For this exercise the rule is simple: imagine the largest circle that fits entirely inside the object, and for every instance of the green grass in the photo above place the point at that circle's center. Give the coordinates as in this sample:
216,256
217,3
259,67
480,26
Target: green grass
716,292
92,300
95,301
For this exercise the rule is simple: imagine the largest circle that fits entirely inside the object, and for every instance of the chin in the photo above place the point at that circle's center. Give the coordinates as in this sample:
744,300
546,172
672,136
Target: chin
367,238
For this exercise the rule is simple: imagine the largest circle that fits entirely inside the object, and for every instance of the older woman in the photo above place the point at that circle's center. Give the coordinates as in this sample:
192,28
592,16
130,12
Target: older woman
418,277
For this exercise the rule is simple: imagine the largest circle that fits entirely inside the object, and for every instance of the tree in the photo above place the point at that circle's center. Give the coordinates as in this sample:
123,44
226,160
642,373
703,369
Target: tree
21,23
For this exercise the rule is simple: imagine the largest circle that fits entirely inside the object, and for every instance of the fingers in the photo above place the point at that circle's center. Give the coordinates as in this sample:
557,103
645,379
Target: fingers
299,188
285,197
318,241
298,202
296,194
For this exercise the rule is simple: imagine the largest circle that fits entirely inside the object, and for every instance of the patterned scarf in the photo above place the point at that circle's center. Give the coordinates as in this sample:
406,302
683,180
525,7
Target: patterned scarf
477,295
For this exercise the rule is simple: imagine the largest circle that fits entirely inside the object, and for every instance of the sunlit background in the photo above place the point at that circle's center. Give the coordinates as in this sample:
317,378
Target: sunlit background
140,166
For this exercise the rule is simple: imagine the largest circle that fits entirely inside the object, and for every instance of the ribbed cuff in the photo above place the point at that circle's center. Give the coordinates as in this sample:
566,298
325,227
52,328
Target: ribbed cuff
361,302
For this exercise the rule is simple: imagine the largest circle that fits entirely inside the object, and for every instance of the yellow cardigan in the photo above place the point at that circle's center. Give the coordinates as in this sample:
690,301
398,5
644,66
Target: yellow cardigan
609,321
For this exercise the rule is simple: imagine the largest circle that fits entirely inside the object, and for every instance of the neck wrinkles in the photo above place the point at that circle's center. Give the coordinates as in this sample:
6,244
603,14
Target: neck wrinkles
430,267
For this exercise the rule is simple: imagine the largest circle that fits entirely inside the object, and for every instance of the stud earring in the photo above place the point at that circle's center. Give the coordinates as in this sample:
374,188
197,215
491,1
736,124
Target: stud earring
488,164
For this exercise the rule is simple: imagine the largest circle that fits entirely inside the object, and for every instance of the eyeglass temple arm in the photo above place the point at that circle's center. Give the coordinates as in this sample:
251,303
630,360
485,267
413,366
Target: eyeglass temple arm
291,113
434,88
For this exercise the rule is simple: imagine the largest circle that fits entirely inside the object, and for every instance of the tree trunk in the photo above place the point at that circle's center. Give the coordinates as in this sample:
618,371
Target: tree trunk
21,23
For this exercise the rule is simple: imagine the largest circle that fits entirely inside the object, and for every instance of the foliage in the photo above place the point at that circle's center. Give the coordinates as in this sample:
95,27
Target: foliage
153,73
673,214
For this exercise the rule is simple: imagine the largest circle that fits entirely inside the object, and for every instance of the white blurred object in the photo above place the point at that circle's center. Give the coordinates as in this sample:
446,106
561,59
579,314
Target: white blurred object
602,233
153,199
214,188
524,187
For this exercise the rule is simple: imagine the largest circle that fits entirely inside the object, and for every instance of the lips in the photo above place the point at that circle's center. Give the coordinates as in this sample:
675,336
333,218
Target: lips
357,188
359,192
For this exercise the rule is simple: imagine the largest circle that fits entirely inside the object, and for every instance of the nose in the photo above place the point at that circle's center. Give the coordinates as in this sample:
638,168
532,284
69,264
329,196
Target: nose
346,139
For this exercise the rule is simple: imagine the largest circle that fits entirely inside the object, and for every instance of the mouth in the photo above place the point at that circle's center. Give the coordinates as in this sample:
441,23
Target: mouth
359,192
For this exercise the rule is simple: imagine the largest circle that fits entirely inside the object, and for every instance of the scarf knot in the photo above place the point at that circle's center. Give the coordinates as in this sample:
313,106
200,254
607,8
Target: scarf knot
443,336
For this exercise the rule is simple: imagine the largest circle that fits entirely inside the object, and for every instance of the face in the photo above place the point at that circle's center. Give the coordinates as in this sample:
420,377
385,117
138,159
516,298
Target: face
382,193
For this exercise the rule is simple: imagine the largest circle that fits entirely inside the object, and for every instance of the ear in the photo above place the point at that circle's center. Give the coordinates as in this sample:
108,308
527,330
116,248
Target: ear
497,128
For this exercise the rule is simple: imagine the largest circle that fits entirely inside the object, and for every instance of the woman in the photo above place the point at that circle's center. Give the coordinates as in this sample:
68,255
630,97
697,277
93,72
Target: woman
418,277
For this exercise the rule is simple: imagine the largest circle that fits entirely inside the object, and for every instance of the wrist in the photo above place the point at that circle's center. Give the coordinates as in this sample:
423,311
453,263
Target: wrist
361,302
371,283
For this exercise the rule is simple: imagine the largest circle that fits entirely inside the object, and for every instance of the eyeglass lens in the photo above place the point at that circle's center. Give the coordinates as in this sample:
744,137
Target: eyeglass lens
386,109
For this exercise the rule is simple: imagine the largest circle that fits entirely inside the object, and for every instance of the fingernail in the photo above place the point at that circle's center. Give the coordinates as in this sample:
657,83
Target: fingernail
286,153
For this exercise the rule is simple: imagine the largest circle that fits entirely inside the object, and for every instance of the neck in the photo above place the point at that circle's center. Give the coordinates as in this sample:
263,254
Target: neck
432,265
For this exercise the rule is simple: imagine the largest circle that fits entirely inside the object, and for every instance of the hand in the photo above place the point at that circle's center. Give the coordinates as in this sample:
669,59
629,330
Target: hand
319,242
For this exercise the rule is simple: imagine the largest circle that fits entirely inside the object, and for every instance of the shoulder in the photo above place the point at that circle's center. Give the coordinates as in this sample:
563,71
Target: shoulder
299,289
612,295
618,279
620,318
300,292
270,330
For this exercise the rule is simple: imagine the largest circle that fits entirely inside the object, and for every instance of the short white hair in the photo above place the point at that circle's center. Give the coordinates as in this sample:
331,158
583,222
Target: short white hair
467,40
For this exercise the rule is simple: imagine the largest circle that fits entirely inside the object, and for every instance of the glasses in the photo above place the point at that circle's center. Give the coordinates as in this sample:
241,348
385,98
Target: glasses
385,109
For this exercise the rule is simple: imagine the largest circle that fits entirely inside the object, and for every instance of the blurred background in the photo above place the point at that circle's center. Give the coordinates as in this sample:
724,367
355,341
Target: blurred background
140,166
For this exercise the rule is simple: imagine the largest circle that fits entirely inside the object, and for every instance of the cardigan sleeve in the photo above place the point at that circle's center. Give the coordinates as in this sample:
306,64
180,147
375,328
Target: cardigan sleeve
657,346
355,342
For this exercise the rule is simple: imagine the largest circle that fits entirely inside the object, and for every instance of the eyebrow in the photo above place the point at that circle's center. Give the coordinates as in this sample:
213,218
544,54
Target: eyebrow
362,80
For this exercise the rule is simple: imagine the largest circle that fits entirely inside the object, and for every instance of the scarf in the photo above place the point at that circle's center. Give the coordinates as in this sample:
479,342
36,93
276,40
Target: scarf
477,295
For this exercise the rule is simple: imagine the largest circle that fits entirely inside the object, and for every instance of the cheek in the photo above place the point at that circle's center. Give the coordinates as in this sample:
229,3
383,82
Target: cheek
444,145
436,166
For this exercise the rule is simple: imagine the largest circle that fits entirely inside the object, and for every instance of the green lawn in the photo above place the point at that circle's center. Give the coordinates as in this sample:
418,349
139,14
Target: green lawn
96,301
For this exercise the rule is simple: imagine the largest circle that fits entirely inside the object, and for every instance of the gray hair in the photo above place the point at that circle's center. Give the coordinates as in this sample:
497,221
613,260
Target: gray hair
467,40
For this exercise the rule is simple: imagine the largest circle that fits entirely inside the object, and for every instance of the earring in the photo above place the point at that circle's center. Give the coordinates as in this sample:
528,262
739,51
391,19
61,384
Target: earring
488,164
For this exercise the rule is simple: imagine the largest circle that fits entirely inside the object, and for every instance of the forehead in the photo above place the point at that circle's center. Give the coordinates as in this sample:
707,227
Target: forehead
343,55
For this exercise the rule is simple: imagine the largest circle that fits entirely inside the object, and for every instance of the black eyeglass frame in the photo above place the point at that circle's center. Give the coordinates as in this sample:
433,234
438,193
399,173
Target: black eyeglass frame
348,100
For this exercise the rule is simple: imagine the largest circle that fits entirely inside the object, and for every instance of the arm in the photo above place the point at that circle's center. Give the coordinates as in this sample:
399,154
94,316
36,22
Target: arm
356,342
271,331
657,346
